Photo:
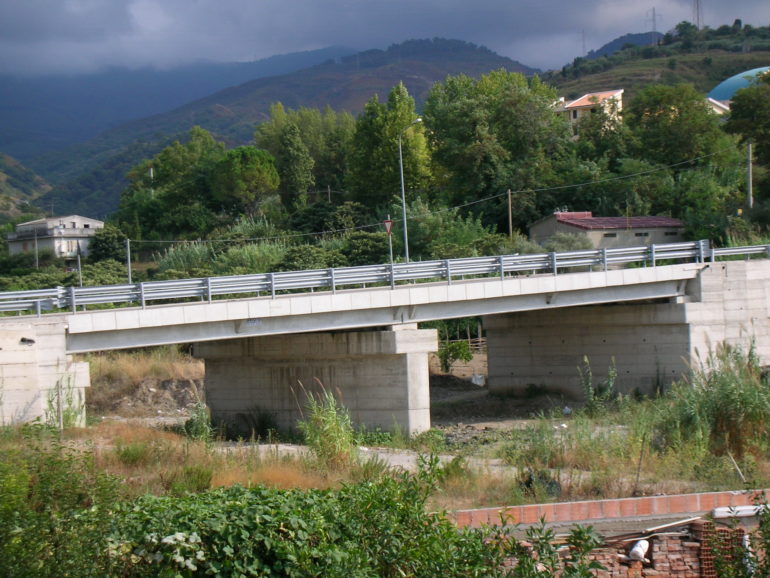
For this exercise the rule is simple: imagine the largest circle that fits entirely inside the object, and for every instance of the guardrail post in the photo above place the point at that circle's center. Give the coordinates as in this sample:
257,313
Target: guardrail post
208,289
553,263
272,285
448,265
332,280
392,277
604,258
38,309
73,304
141,295
502,268
652,254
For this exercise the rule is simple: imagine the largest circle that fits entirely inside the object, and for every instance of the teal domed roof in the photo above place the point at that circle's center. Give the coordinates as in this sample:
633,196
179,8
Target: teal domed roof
727,88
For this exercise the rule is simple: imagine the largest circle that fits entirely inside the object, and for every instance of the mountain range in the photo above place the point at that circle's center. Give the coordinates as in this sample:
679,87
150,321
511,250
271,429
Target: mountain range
82,134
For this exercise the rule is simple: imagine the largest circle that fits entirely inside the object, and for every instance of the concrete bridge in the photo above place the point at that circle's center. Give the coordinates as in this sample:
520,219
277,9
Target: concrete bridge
264,351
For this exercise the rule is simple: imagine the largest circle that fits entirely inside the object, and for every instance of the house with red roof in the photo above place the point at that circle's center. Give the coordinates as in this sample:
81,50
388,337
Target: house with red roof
611,101
609,232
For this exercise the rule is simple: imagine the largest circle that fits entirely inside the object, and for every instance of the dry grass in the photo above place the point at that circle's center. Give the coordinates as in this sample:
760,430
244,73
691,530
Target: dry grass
118,375
158,363
150,460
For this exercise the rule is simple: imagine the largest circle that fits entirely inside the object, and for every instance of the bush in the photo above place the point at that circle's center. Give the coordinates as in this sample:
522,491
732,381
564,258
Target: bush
328,431
54,508
722,406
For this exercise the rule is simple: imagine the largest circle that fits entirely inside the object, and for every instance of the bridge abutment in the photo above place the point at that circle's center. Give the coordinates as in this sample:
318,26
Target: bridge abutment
651,344
38,380
381,377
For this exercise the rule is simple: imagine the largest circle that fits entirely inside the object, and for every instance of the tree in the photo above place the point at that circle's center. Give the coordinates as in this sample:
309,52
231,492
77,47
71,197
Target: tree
294,165
750,117
168,194
374,175
674,125
108,242
326,135
242,179
495,133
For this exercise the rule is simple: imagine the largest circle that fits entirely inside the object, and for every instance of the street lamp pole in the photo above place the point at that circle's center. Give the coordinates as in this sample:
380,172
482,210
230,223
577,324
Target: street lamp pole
403,190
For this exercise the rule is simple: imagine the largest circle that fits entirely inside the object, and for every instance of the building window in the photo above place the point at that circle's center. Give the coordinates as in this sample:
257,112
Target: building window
610,235
670,234
574,114
86,226
641,234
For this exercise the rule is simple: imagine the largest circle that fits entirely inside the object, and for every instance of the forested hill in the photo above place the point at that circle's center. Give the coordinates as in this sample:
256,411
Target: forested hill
19,187
89,178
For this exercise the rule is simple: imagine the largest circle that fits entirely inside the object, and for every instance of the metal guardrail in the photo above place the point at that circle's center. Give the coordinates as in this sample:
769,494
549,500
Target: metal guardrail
207,289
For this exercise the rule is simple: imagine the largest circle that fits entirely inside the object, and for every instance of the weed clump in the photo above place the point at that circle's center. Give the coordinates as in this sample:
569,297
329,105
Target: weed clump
328,431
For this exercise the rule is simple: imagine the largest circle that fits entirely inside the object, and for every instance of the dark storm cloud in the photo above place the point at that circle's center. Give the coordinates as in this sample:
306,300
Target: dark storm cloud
80,35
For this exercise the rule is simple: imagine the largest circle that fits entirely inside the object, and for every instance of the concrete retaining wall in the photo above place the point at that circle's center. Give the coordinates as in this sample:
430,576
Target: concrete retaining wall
37,378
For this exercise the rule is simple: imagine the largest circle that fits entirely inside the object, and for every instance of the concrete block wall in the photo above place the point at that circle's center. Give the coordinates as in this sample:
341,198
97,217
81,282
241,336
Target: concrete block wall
381,377
652,344
35,372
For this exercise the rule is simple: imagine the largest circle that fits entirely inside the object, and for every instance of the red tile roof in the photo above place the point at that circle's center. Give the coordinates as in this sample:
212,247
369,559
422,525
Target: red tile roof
586,220
593,98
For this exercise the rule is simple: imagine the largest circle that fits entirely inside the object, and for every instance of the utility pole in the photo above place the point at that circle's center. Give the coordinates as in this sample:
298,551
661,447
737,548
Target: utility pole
749,178
697,13
653,17
510,216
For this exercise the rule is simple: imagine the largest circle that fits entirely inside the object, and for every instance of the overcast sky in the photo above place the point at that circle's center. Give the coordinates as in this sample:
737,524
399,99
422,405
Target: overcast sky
86,35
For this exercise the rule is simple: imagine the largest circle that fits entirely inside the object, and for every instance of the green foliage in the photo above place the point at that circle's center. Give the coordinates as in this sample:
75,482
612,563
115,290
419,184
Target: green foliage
722,406
327,430
310,257
260,531
450,352
109,242
597,396
560,242
55,508
374,171
198,426
242,179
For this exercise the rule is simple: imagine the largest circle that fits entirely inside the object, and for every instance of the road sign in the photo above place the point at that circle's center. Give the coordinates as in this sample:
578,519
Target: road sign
388,225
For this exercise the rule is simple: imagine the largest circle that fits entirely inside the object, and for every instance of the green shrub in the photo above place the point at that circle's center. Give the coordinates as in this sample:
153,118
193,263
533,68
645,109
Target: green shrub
54,509
327,430
451,351
722,406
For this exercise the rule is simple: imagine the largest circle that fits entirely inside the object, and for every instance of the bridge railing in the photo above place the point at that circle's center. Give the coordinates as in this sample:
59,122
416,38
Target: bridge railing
449,270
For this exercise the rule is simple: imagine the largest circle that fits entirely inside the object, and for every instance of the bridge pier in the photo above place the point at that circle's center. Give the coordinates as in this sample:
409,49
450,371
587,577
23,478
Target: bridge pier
38,380
652,343
381,377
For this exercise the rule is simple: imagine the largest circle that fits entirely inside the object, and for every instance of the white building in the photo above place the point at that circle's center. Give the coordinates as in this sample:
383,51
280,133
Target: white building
611,101
609,232
65,236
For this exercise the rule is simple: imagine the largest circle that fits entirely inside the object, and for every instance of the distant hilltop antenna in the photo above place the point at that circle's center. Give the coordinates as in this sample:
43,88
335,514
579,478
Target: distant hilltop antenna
697,13
653,17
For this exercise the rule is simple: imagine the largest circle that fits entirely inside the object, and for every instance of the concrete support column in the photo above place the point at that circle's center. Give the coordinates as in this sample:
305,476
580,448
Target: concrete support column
652,343
381,377
38,380
649,345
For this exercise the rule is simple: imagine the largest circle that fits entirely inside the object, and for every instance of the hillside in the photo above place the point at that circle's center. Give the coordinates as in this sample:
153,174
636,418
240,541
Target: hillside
41,114
702,70
19,188
703,58
85,184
